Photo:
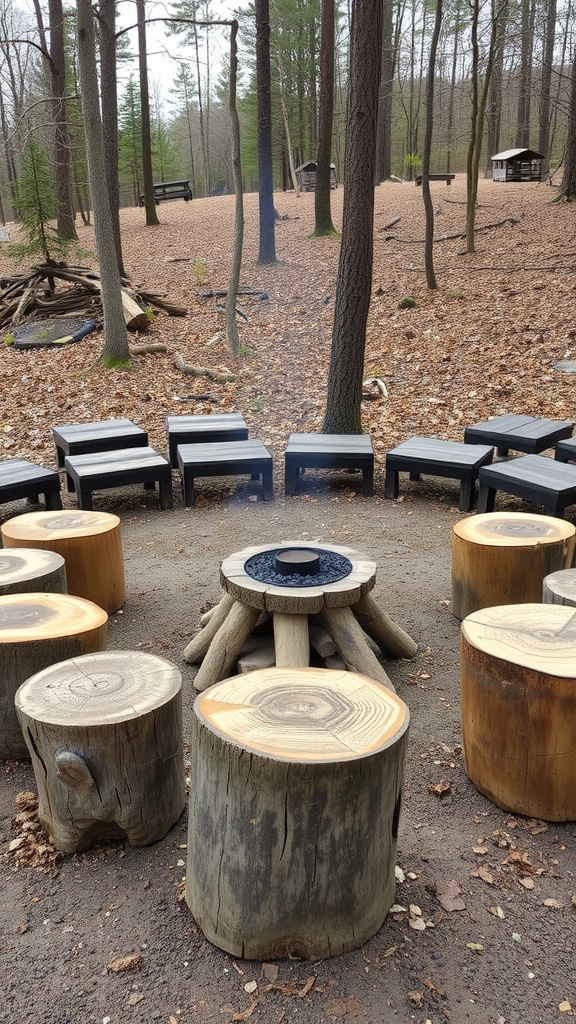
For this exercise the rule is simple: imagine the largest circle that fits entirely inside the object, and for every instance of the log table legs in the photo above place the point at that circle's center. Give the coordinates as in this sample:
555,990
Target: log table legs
345,607
295,799
105,738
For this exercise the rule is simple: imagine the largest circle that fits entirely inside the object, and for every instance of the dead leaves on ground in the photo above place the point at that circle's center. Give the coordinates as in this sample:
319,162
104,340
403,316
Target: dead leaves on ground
31,847
516,866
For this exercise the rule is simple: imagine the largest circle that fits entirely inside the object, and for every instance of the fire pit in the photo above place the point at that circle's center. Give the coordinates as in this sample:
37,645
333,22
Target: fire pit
291,582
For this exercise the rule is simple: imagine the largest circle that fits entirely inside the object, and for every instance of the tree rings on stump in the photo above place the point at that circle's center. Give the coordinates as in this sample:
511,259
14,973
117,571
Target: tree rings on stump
29,570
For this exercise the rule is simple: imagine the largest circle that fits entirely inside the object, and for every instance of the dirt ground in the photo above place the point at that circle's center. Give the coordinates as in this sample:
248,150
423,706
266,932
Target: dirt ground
486,343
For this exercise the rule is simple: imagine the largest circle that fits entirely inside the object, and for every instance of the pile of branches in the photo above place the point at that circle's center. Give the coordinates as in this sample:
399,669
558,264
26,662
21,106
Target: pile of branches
33,294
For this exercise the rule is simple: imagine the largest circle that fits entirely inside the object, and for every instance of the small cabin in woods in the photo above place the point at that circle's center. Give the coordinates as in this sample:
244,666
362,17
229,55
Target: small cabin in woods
306,176
517,165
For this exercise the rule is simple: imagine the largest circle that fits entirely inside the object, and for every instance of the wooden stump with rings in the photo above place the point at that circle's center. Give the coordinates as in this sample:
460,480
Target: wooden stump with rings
291,582
30,570
519,707
37,630
502,558
295,797
560,588
105,737
90,544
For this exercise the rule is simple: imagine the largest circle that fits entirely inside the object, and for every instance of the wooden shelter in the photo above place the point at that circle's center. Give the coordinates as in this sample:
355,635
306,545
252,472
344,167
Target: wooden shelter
517,165
306,176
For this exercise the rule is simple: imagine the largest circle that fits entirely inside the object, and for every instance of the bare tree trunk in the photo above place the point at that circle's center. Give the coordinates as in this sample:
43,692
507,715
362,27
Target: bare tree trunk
354,281
267,246
65,211
293,177
322,212
115,351
231,323
546,84
479,100
151,215
109,88
525,75
428,207
569,179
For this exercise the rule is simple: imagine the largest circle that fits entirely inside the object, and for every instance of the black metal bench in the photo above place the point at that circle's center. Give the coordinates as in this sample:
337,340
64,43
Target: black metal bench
22,479
448,178
329,451
450,459
169,190
228,458
101,470
533,478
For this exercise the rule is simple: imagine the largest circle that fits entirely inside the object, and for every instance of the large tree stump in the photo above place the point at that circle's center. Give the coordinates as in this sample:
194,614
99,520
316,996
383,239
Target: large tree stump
37,630
294,805
560,588
519,707
105,738
28,570
502,558
89,542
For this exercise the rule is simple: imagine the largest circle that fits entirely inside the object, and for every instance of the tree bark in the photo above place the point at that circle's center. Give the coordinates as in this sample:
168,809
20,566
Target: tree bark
231,322
147,177
322,214
267,242
65,211
109,87
426,196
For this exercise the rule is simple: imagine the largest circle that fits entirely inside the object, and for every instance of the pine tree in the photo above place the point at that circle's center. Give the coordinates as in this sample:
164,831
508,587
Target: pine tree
36,207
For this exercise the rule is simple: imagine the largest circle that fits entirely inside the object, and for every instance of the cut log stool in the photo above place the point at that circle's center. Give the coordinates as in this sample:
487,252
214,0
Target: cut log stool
294,805
519,707
90,544
105,737
560,588
37,630
503,557
30,570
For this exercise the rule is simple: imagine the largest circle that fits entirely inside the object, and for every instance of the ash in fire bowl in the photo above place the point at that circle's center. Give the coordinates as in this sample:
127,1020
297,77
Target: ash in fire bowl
264,566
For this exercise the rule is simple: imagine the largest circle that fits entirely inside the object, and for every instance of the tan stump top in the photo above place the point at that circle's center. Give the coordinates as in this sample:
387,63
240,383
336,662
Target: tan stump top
18,565
99,689
53,526
540,637
26,618
299,600
306,715
513,529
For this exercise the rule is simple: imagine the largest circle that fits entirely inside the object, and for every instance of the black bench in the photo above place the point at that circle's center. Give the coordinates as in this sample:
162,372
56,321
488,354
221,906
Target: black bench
228,458
529,434
533,478
98,471
101,436
329,451
169,190
450,459
22,479
203,428
448,178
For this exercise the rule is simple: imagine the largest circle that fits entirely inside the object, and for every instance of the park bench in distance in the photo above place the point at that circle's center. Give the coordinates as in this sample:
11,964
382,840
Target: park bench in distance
169,190
448,178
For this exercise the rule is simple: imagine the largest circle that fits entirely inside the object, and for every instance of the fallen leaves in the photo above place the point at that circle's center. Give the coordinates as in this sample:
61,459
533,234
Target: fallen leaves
131,962
440,789
448,894
31,847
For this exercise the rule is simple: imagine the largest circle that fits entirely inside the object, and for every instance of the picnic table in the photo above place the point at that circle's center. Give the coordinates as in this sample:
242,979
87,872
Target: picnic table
169,190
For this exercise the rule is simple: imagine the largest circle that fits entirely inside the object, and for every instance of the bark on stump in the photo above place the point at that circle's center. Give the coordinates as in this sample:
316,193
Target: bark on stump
89,542
37,630
560,588
519,707
105,738
28,570
294,805
502,558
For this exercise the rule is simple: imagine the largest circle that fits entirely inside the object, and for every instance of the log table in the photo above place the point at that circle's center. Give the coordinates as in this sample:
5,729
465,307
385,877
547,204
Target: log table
28,570
105,737
345,606
37,630
503,557
89,542
519,707
295,799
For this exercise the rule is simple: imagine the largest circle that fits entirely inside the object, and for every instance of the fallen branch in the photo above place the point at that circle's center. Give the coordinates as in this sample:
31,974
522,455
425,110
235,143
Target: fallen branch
201,371
155,346
221,293
459,234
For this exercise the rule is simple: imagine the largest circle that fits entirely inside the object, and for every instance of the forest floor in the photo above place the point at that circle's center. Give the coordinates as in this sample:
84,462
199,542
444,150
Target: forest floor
105,937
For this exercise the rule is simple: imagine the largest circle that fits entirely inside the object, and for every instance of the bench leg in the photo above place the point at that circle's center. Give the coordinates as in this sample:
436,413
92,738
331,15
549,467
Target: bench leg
60,457
414,476
391,486
368,481
267,484
188,490
84,499
486,498
53,501
290,476
166,498
466,494
502,452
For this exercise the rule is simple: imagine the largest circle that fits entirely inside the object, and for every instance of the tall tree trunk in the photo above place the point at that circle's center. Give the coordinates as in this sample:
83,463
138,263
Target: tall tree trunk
65,211
453,81
267,245
151,215
109,91
478,108
494,103
428,207
354,281
525,75
569,179
386,93
115,351
231,323
546,84
322,213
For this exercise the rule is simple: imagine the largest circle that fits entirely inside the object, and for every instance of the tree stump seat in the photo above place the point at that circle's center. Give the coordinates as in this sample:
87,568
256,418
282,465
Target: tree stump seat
519,707
295,799
123,467
450,459
560,588
203,429
329,451
100,436
30,570
502,558
529,434
532,477
104,733
224,458
37,630
90,544
22,479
